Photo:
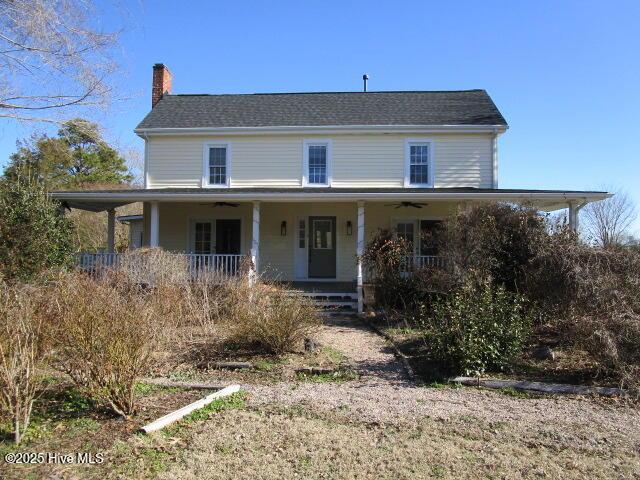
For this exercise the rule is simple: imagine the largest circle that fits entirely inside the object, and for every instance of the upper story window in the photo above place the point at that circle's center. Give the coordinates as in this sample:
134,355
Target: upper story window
316,163
418,163
216,164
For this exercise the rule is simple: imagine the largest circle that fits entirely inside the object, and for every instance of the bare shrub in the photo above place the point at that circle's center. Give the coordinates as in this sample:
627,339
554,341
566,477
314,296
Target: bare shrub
615,342
491,242
269,317
594,294
387,261
153,266
181,294
568,278
23,351
104,337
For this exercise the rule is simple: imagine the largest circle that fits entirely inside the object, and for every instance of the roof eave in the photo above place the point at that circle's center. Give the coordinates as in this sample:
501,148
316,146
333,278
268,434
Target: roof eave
325,129
543,200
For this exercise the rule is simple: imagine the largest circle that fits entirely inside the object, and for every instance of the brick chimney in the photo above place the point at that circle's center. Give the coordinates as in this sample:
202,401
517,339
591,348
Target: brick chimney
161,83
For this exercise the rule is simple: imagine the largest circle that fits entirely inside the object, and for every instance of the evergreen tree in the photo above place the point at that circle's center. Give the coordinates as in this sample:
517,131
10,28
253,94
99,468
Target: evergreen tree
77,157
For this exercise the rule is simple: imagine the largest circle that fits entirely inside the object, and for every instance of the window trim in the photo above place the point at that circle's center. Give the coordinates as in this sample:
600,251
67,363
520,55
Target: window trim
417,231
408,142
309,142
205,164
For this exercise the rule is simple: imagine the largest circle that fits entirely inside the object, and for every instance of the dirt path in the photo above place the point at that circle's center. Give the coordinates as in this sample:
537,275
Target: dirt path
385,426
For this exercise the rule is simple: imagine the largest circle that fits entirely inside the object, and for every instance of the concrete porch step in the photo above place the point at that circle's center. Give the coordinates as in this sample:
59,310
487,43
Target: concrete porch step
336,303
338,313
331,302
350,295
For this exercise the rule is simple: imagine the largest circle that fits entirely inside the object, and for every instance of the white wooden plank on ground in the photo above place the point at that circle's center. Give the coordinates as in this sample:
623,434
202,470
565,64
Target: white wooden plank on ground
187,409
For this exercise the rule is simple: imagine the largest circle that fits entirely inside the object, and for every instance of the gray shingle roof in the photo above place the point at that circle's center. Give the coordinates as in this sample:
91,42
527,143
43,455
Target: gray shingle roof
468,107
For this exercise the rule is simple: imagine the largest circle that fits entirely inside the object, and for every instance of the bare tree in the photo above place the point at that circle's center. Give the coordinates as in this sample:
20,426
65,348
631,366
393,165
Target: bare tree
608,221
53,57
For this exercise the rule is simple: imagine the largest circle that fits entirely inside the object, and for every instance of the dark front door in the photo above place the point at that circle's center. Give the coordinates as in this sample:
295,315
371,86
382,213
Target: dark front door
228,236
322,247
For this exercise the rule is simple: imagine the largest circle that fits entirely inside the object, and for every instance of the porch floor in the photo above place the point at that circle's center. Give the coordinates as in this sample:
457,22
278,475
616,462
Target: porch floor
321,287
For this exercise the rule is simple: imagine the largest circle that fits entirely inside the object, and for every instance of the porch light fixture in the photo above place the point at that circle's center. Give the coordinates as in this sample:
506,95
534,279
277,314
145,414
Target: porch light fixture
283,228
349,228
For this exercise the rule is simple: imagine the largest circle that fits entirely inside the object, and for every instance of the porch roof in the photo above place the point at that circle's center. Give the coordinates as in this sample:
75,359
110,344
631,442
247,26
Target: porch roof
548,200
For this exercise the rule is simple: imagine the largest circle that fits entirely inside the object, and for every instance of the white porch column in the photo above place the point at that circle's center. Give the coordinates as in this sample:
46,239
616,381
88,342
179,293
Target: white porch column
574,210
359,252
111,230
154,234
255,237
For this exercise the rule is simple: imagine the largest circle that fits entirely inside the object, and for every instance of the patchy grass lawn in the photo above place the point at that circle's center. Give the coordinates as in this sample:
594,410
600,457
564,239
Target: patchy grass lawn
297,442
64,421
231,439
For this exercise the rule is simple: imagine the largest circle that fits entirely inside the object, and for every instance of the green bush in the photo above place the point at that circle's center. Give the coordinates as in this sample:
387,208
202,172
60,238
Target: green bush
34,236
477,328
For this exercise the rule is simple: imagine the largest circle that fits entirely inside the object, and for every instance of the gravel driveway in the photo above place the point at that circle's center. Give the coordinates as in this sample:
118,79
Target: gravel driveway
385,426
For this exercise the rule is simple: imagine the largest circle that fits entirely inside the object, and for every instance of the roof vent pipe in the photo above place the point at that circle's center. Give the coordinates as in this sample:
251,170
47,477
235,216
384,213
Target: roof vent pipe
365,78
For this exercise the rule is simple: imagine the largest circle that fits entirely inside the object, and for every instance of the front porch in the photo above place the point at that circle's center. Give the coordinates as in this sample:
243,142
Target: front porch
296,234
314,247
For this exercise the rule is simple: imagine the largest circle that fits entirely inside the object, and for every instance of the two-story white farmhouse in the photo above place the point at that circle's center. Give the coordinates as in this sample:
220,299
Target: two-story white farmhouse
300,181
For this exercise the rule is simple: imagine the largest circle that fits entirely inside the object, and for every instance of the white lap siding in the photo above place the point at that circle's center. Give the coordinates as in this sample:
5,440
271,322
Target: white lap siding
461,160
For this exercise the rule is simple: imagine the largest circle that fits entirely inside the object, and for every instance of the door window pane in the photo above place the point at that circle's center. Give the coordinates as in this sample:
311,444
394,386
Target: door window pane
218,165
322,235
428,240
202,238
405,231
317,164
302,233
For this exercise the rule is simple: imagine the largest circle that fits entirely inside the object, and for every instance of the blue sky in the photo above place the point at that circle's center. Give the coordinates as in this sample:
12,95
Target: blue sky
565,74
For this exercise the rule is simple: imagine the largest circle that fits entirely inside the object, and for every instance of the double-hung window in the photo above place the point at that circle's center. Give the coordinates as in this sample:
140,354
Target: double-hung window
216,165
418,163
317,163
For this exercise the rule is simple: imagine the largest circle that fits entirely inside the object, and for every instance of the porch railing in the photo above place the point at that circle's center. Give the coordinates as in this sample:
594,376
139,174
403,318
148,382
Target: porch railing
197,264
422,261
224,264
95,262
409,265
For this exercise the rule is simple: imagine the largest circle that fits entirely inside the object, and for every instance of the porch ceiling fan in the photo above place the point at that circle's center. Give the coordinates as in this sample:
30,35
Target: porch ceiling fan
406,204
221,204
